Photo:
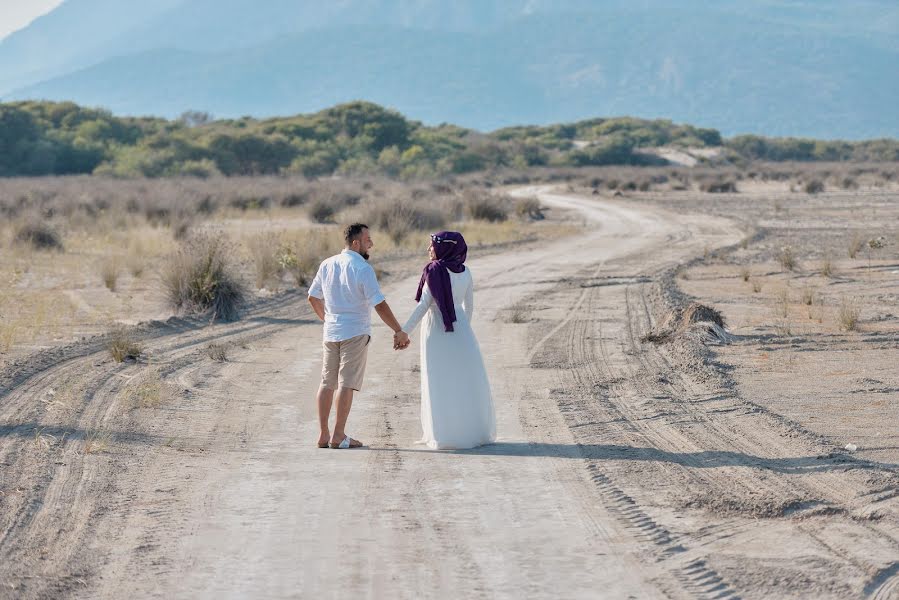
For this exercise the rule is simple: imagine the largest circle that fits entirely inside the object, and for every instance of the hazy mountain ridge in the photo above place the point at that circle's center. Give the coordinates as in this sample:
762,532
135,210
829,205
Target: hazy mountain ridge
489,64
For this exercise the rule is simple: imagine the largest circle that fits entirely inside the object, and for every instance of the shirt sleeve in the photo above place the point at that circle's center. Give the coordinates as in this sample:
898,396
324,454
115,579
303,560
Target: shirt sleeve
315,290
420,310
370,287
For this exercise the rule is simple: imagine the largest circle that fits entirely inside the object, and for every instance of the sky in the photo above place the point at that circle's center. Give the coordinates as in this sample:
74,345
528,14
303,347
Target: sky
16,14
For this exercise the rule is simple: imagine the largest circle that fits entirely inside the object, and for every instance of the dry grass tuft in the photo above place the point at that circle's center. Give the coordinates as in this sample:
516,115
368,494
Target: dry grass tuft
486,207
217,352
38,235
809,295
827,267
149,390
782,303
109,272
122,346
264,254
855,245
756,284
200,279
97,441
849,313
787,258
529,208
745,273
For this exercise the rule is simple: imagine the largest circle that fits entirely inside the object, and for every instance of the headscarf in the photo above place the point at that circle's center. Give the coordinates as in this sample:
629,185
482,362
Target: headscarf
450,250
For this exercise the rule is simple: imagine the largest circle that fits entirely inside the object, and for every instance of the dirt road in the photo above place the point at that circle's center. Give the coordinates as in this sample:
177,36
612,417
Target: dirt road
622,469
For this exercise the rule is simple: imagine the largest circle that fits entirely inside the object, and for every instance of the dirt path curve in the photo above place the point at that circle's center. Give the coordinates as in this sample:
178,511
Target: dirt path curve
275,516
591,491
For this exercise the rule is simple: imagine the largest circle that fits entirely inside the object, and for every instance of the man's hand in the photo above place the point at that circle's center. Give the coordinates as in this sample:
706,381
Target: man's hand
401,340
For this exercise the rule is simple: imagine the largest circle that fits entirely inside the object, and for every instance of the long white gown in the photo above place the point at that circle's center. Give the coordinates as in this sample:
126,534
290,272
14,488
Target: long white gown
456,403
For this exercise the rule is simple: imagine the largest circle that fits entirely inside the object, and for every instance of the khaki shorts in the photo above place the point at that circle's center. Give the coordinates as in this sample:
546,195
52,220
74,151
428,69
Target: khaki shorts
343,363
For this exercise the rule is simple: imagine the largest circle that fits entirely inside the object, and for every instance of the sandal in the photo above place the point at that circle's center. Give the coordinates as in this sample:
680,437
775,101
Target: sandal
347,442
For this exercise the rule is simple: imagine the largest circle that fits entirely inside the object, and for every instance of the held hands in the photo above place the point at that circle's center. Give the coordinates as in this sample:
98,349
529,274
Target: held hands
401,340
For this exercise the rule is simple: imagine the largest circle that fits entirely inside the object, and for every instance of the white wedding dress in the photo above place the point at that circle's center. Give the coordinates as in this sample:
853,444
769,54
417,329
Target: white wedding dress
456,403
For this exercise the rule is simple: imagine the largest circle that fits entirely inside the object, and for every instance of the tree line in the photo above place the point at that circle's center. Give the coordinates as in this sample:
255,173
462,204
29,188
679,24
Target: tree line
359,138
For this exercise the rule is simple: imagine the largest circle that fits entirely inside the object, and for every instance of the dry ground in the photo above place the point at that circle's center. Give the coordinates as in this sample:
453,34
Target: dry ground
623,468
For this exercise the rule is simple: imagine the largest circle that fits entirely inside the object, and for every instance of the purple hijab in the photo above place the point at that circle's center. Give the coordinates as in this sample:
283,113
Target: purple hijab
451,250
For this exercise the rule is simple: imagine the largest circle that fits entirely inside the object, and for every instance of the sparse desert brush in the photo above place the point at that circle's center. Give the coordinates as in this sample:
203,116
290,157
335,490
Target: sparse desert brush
849,313
809,295
856,243
321,211
814,186
782,303
200,278
787,258
122,345
486,207
9,333
97,441
827,266
149,390
264,249
745,273
719,187
756,284
38,235
400,217
529,208
217,352
300,254
517,313
109,272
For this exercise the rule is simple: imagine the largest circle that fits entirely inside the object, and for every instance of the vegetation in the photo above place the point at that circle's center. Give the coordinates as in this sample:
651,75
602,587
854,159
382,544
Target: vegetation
200,279
358,138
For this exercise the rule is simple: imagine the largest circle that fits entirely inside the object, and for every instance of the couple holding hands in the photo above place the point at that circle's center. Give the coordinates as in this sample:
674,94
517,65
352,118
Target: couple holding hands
456,403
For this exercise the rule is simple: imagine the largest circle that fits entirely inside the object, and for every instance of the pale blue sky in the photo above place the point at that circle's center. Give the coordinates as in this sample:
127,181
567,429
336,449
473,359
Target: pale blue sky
16,14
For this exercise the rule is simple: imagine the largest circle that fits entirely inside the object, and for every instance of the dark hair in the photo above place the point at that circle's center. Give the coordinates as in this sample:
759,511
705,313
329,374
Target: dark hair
352,232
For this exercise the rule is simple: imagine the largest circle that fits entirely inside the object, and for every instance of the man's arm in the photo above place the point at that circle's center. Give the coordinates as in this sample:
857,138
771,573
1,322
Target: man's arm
400,337
318,305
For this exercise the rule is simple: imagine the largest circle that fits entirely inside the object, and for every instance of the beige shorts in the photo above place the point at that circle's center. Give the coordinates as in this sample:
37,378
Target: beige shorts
343,363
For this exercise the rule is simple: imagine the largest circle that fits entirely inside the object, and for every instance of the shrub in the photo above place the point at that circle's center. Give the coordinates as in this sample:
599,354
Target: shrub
199,279
122,346
264,254
321,211
529,208
855,244
849,314
719,187
815,186
38,235
787,258
217,352
827,267
400,217
301,257
486,208
109,271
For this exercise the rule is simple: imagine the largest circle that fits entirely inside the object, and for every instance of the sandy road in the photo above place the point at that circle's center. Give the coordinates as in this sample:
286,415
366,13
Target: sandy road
282,518
618,472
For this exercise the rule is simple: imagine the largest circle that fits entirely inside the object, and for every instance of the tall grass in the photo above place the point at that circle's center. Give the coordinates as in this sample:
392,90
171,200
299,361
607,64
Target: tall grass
200,278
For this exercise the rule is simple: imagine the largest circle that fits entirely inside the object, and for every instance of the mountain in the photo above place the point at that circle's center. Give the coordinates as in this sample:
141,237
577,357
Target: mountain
820,69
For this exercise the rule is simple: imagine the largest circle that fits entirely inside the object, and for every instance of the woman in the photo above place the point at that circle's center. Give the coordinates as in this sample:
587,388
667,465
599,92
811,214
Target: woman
456,404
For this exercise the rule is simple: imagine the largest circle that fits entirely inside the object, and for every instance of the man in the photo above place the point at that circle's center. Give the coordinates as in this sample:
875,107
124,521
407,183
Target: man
342,294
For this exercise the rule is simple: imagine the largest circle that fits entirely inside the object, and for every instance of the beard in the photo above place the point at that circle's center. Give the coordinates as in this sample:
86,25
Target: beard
364,254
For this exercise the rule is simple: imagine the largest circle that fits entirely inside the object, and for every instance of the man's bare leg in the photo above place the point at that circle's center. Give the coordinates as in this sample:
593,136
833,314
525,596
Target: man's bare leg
324,398
344,404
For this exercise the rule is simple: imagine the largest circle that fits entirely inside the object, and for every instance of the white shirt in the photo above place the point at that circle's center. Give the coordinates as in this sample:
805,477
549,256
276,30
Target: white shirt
349,287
